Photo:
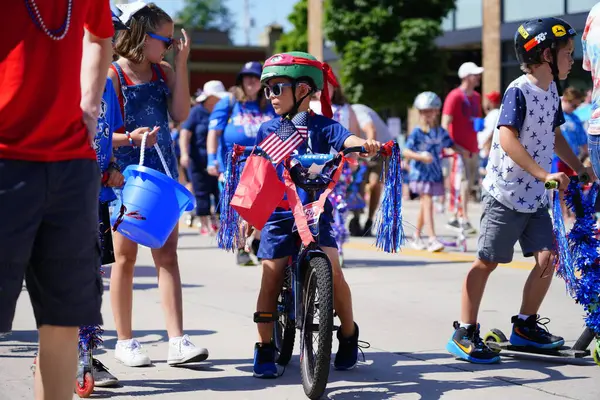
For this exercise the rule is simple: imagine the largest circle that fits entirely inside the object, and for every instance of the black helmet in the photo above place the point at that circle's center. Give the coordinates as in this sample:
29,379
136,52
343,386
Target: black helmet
537,35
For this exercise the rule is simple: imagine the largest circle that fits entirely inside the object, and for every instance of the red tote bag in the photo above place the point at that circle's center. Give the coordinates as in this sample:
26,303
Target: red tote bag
259,191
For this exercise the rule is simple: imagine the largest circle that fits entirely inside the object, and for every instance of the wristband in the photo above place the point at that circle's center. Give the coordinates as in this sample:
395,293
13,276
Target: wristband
130,139
212,160
113,165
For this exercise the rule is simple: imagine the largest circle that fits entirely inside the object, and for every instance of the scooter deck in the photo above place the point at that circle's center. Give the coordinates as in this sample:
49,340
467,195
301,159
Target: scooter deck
563,351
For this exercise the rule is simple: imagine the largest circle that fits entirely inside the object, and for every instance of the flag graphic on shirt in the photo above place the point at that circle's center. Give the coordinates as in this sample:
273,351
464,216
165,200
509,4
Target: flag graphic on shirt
281,143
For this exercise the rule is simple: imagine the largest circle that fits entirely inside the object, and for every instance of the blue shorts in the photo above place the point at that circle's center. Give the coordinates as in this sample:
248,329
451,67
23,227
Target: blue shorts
278,241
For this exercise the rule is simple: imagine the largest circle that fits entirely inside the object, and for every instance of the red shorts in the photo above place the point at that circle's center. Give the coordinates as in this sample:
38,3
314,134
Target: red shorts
563,167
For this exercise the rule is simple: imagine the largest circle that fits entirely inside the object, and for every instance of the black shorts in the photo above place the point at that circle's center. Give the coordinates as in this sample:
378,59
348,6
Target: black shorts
49,236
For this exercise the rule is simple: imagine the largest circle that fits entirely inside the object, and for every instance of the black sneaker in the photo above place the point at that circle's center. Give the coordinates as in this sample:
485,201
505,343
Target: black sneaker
102,378
468,228
533,332
368,226
264,361
243,258
347,354
453,224
354,227
467,345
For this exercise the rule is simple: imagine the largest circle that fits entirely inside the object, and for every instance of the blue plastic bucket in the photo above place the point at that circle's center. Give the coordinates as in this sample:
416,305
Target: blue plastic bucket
157,200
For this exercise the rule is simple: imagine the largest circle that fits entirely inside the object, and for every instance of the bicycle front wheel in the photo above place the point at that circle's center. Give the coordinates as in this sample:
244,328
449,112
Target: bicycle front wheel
317,300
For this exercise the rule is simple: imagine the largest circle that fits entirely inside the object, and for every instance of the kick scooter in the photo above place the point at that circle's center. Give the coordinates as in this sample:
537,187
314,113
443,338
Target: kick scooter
497,341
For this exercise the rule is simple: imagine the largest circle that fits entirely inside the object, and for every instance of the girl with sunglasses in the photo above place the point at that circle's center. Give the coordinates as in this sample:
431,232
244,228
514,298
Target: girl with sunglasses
150,91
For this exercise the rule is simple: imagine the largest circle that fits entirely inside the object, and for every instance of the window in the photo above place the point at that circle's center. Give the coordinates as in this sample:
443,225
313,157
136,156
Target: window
468,14
520,10
448,22
580,6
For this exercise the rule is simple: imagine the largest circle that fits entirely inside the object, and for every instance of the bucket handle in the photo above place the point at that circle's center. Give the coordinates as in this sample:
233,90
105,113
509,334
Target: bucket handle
160,154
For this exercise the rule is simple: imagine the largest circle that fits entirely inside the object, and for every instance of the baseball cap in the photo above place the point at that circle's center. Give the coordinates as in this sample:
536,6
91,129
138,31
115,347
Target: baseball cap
212,88
250,68
469,68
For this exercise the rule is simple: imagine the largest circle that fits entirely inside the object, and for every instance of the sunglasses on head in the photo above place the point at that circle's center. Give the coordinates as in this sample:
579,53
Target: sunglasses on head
166,40
276,89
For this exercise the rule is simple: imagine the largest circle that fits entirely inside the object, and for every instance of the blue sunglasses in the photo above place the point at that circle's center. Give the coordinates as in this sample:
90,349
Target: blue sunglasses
167,41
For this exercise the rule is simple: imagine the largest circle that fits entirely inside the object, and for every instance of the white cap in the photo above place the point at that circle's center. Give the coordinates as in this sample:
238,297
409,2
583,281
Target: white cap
129,9
469,68
212,88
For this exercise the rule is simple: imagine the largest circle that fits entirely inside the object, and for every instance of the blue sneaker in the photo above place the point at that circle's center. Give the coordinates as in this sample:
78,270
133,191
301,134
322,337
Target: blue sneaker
264,361
347,354
467,345
533,332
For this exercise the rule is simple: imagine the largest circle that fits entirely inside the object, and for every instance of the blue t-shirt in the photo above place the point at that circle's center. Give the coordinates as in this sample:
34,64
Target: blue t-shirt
242,125
433,142
197,123
573,132
109,120
325,136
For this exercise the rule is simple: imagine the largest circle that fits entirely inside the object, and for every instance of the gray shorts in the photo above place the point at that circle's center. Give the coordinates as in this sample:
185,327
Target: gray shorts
49,236
501,228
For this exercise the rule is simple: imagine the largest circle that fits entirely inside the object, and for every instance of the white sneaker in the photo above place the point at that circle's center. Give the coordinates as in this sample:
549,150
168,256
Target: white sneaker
435,246
418,244
130,353
182,350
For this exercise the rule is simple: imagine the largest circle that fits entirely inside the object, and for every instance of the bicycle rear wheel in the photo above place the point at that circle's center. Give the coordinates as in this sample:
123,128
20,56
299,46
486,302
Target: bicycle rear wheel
317,300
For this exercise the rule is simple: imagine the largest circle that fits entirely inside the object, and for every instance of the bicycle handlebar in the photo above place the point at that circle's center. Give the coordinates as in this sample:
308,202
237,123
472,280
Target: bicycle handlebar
583,178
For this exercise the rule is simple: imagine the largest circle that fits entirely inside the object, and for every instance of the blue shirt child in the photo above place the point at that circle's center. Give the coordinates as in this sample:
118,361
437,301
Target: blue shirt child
433,142
325,136
109,121
239,123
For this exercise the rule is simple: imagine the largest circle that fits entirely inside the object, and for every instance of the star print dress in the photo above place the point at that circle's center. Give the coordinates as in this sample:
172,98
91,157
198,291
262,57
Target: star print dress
145,105
534,113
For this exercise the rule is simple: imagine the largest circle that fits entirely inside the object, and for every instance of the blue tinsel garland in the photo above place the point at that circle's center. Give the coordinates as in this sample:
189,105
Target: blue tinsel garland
584,246
90,337
565,268
390,232
228,237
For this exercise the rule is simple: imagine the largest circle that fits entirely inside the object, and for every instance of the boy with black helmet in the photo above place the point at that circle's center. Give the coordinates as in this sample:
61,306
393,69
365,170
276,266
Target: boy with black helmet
290,80
515,201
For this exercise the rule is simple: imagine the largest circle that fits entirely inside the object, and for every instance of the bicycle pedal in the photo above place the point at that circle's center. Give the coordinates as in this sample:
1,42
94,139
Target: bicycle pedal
265,317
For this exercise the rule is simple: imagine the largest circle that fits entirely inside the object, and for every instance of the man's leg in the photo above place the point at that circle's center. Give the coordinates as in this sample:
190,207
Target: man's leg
63,279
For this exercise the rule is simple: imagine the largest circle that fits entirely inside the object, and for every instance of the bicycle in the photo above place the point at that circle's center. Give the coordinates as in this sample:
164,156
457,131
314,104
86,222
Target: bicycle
305,302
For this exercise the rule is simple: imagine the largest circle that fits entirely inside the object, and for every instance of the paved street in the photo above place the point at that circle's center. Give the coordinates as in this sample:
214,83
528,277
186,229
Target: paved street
404,303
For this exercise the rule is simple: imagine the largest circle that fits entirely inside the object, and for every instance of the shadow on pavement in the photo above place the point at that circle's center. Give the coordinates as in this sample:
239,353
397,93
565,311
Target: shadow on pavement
383,376
358,263
31,337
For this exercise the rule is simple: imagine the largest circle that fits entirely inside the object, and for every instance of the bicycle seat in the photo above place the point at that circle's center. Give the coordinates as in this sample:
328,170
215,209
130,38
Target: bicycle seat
306,160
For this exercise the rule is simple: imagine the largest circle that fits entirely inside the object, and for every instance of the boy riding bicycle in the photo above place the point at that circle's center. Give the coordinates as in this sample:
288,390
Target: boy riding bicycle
515,201
290,80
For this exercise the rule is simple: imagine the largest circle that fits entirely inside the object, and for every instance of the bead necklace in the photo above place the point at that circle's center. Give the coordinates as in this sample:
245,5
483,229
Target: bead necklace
56,34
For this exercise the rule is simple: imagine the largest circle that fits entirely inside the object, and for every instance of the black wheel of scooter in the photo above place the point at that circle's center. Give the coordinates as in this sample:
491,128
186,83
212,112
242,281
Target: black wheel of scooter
317,300
496,336
284,329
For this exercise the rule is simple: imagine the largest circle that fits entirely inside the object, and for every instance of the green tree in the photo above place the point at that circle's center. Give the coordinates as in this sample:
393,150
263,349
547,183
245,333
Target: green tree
387,48
204,14
297,38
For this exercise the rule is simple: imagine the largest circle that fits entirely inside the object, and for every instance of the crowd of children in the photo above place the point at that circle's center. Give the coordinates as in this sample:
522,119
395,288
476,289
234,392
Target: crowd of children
530,136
